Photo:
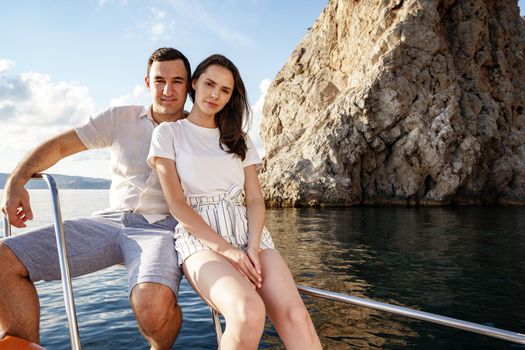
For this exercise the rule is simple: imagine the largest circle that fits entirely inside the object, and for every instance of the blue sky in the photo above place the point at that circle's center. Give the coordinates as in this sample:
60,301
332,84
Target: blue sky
61,61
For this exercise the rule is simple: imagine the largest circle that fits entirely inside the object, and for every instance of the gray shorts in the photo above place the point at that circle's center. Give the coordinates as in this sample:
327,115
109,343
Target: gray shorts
101,241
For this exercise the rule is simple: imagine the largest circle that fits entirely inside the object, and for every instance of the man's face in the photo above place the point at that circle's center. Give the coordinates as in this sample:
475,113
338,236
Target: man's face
167,83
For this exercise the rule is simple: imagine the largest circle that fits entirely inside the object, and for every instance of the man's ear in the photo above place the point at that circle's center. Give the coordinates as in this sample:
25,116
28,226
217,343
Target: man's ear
146,81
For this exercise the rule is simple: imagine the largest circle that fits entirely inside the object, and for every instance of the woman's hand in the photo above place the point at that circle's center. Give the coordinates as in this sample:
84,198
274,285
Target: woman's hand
253,254
243,263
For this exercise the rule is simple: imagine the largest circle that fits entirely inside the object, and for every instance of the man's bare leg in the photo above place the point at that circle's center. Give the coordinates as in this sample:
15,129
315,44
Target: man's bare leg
158,315
19,305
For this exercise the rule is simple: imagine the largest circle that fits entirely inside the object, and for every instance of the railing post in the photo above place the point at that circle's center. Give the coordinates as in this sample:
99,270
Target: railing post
67,288
7,227
216,325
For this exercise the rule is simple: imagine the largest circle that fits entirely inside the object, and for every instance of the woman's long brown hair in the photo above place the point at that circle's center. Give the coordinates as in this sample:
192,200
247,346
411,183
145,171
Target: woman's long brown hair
236,113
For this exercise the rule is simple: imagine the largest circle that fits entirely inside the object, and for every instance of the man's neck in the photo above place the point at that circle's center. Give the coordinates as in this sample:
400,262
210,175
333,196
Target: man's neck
164,117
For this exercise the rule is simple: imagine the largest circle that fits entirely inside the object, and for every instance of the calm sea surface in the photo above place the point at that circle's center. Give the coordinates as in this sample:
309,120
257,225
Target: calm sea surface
464,262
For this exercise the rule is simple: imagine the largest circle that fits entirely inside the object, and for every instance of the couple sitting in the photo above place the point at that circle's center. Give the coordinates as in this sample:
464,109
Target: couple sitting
184,194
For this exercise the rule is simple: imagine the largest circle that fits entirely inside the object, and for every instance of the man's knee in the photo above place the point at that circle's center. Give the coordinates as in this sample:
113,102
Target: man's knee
154,305
11,265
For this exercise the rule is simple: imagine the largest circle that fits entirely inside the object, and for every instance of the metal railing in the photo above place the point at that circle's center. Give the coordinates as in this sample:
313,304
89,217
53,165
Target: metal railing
398,310
420,315
67,288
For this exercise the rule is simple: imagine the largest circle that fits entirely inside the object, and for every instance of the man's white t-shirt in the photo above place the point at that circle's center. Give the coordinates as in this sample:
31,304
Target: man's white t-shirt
127,131
203,167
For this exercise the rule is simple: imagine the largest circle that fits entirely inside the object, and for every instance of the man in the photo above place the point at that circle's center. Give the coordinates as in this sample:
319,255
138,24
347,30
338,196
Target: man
119,234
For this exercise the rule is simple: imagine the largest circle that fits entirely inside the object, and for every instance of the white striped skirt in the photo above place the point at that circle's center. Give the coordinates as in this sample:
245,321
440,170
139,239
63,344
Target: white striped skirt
226,214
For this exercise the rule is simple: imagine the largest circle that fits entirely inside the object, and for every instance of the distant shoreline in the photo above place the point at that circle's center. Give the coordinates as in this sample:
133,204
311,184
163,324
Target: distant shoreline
65,182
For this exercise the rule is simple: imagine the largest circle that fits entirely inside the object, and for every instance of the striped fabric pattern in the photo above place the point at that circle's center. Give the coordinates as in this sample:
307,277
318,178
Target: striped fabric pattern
226,214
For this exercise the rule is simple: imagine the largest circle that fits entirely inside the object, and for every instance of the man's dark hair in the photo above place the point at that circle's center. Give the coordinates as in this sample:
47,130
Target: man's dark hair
169,54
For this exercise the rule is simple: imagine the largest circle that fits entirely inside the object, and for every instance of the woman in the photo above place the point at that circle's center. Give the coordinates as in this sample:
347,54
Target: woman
204,162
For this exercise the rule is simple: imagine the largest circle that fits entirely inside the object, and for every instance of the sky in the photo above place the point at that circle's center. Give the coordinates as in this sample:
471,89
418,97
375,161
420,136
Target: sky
63,61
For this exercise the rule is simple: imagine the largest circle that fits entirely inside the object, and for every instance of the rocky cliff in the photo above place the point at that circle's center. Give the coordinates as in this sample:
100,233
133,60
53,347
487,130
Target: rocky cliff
400,102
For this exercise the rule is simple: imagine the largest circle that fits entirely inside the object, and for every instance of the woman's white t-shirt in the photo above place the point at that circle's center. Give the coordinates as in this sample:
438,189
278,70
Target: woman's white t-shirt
203,167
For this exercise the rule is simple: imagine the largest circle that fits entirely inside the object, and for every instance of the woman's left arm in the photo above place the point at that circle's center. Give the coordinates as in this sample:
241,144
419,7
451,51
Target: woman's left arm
255,210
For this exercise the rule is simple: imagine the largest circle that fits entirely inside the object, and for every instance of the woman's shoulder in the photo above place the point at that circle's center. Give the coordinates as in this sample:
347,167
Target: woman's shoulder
165,130
171,130
171,124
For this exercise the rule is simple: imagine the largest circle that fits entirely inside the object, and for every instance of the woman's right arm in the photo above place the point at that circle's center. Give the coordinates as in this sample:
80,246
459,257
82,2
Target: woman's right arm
194,224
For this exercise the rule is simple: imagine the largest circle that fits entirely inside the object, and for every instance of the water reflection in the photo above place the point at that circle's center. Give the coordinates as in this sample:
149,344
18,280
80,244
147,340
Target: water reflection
324,251
460,262
464,262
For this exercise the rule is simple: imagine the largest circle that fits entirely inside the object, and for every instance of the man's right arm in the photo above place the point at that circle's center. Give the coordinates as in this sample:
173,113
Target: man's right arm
15,201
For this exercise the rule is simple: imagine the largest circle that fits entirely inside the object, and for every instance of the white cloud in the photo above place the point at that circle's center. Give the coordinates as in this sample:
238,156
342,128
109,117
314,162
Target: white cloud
6,64
34,108
196,12
257,109
138,96
160,24
160,27
32,98
101,3
19,138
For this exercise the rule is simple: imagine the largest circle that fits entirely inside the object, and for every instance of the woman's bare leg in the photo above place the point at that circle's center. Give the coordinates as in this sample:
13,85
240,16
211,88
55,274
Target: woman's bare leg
284,304
221,286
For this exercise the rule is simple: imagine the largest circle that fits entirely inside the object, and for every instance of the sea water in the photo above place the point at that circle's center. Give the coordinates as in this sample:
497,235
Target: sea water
461,262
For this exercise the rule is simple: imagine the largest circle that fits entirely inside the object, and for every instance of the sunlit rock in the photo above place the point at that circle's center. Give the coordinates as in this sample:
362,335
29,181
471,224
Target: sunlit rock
400,102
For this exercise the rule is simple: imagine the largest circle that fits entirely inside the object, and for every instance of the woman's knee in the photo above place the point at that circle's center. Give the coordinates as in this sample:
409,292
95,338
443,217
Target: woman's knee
295,314
248,314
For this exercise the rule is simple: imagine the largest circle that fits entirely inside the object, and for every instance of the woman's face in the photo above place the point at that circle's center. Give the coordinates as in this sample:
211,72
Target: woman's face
213,89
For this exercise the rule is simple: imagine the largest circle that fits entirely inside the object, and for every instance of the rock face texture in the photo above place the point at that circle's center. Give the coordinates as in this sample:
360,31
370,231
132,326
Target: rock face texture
400,102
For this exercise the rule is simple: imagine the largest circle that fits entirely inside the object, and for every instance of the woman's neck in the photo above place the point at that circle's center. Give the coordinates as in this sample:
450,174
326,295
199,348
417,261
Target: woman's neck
201,119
